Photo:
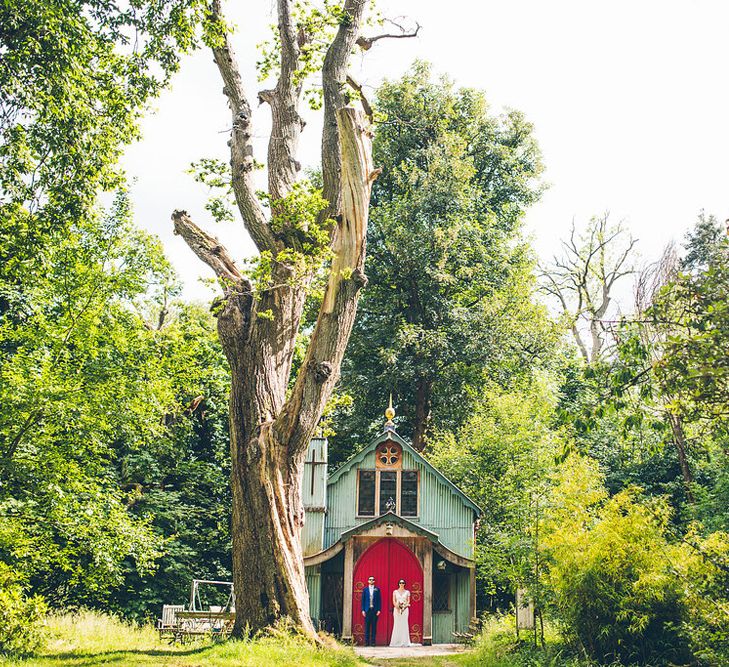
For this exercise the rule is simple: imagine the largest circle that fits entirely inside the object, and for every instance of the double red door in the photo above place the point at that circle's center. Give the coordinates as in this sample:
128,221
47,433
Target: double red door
388,561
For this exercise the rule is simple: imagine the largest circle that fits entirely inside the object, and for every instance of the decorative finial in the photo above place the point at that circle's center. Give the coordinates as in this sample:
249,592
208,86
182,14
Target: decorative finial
390,413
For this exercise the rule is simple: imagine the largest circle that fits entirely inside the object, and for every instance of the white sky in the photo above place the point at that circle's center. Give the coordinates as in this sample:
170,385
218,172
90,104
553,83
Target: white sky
629,99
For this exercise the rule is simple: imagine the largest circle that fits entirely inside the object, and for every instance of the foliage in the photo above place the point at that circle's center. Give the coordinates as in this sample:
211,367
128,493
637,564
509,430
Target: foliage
95,413
21,616
610,572
75,78
450,278
498,646
702,566
181,478
501,458
90,638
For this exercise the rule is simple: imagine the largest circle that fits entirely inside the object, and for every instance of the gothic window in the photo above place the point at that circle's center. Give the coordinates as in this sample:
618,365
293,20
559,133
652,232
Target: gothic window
409,493
366,499
388,491
441,591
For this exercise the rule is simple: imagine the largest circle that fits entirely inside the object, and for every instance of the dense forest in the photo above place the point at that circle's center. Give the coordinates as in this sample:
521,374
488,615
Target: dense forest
580,400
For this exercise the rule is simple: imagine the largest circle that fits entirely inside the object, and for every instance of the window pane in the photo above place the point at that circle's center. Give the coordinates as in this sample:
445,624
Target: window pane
366,501
409,493
388,490
441,591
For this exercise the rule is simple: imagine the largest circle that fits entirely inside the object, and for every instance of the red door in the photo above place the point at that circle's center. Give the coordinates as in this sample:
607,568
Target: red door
388,561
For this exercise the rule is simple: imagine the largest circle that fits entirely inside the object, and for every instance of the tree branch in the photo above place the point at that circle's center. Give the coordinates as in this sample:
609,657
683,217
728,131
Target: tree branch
209,250
320,369
334,78
363,100
365,43
286,123
241,146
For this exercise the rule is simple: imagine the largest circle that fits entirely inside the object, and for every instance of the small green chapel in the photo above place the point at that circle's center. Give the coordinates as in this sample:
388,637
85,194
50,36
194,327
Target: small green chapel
388,513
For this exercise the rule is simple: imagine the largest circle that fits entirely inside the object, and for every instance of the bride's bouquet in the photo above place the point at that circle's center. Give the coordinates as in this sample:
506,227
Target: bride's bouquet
401,606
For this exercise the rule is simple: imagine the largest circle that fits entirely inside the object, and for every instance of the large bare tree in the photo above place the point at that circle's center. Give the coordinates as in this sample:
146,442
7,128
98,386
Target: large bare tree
271,423
583,279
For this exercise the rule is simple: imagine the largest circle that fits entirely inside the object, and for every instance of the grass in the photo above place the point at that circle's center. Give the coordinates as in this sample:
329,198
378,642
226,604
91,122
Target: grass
89,639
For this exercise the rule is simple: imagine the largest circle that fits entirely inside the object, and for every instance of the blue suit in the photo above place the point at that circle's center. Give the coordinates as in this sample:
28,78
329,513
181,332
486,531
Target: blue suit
370,612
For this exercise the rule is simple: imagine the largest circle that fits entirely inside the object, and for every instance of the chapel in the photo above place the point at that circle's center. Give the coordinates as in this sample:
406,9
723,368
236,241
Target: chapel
389,513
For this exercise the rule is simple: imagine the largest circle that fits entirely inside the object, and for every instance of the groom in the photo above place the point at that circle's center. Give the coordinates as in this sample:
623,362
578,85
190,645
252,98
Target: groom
371,605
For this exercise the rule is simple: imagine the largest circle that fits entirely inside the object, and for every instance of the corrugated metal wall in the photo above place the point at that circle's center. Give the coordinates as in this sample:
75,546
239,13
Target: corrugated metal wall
342,508
313,583
315,496
441,510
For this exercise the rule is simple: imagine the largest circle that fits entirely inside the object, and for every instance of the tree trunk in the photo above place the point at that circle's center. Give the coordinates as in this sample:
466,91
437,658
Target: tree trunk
270,428
422,413
679,439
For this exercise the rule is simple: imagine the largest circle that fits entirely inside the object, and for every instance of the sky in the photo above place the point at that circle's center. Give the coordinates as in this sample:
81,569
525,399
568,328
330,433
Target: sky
629,101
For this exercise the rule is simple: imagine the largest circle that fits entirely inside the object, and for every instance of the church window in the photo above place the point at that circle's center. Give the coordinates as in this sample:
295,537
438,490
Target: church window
389,455
409,493
388,491
366,499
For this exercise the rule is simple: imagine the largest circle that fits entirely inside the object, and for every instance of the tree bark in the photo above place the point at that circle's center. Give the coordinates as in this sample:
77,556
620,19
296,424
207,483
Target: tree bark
422,413
679,439
270,428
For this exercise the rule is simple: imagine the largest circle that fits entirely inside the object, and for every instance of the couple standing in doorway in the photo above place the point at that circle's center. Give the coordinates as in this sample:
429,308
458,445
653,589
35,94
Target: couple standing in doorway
372,606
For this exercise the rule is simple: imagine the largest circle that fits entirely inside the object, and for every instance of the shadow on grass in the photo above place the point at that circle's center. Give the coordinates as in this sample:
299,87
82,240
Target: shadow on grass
124,657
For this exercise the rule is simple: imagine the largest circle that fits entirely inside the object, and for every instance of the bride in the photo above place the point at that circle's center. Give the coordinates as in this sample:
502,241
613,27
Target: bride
401,611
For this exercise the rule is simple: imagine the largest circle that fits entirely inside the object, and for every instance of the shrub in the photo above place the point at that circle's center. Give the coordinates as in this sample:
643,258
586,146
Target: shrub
21,616
611,572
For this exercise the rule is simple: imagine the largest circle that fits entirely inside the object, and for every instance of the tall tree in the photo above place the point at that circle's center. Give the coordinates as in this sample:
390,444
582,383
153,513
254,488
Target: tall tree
75,78
583,280
448,306
259,317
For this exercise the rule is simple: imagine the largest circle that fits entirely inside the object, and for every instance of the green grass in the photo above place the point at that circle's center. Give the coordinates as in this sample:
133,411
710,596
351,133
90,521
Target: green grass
89,639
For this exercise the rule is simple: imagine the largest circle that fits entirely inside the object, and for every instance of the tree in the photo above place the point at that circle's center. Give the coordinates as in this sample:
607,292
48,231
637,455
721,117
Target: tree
272,421
80,373
75,79
584,277
448,306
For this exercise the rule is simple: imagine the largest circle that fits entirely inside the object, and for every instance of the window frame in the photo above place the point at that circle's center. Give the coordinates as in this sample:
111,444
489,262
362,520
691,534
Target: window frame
374,515
449,579
398,492
417,491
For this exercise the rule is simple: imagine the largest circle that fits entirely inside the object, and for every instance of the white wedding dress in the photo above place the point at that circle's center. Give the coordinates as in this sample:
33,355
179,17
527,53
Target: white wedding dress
400,626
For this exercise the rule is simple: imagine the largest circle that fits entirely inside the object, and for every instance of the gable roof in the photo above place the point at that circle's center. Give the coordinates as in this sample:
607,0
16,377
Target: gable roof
389,434
389,517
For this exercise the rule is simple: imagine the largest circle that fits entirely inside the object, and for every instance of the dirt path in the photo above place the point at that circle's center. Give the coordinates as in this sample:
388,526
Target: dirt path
384,655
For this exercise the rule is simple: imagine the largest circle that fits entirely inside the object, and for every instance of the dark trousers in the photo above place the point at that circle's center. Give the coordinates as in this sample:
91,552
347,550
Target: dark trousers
370,627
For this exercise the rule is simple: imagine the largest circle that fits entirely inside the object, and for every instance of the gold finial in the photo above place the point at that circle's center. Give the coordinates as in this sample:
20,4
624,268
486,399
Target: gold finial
390,413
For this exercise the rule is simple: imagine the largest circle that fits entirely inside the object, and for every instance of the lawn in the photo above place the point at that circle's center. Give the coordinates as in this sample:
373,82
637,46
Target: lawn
89,639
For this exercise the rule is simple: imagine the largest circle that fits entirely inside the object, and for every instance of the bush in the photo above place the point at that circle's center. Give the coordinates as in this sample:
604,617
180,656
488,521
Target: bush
21,617
612,572
497,647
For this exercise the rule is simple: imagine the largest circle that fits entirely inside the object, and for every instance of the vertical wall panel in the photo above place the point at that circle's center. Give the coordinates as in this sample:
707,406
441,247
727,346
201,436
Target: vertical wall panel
313,584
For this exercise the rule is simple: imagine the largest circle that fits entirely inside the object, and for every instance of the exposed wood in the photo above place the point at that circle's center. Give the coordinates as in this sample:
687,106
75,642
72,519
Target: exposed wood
320,370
